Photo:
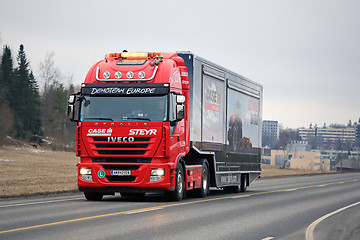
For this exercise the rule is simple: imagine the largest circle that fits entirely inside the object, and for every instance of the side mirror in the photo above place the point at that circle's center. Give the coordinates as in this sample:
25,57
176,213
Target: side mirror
71,99
70,112
180,112
72,108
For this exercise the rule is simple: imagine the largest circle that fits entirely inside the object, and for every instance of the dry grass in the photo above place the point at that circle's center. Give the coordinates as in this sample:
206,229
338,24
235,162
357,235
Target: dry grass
29,171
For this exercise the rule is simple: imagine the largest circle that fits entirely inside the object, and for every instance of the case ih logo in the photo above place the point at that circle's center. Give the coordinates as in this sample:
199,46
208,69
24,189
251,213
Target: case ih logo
99,132
142,132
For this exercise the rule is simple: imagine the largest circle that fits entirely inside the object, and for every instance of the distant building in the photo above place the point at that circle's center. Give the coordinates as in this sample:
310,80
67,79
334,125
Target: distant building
348,165
305,160
336,155
298,146
309,161
328,134
358,131
270,128
270,132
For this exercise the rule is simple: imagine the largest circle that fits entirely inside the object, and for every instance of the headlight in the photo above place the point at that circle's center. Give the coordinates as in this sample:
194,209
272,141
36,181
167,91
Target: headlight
158,172
85,171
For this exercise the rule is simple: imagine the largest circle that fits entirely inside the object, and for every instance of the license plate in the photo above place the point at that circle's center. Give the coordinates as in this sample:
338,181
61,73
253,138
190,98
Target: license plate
120,172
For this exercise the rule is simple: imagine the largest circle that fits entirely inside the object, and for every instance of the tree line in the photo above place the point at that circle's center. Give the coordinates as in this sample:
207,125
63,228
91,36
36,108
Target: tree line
31,112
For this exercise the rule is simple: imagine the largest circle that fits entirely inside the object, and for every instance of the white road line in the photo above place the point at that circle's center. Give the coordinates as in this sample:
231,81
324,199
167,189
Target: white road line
268,238
310,229
141,211
34,203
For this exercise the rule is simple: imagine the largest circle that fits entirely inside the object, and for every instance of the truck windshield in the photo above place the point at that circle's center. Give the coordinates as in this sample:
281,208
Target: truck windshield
149,108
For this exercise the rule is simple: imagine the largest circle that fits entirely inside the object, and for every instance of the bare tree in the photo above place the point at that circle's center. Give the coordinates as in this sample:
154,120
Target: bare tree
48,74
55,90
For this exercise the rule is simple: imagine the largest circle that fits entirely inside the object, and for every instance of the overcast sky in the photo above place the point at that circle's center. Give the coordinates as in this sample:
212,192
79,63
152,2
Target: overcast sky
305,53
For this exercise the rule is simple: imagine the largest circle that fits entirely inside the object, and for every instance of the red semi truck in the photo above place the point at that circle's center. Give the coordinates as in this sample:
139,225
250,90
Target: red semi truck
168,122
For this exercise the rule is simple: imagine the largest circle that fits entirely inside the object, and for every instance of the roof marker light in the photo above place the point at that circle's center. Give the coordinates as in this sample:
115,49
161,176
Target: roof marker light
132,54
153,54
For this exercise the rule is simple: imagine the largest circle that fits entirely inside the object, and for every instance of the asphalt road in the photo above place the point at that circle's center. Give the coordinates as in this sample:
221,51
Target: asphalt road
283,208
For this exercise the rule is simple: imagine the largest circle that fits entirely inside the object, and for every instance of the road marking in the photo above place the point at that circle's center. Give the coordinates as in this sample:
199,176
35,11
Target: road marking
34,203
268,238
310,229
291,190
242,196
142,211
148,209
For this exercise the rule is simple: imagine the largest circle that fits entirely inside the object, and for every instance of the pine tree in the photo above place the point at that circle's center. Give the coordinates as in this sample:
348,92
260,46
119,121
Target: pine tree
34,106
6,73
6,79
26,103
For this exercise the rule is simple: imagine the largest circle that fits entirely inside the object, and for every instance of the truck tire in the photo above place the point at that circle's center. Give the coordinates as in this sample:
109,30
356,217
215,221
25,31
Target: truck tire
178,193
93,196
203,191
244,182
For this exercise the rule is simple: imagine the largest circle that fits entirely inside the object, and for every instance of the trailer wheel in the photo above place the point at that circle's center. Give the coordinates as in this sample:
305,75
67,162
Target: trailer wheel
93,196
244,182
178,193
203,191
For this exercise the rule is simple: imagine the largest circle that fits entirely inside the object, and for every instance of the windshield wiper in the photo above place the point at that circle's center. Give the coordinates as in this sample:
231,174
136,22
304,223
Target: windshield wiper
136,118
100,118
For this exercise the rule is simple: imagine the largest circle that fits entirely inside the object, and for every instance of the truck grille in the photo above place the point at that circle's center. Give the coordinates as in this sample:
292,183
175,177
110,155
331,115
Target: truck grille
139,147
121,152
121,159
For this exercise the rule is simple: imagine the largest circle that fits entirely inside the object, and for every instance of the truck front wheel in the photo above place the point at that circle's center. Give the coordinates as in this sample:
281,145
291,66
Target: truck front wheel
178,193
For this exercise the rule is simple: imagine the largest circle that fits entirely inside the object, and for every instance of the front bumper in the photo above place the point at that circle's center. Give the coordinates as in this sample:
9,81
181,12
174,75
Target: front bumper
102,179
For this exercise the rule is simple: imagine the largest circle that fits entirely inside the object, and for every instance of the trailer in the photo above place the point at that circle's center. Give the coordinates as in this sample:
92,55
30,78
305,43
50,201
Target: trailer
168,122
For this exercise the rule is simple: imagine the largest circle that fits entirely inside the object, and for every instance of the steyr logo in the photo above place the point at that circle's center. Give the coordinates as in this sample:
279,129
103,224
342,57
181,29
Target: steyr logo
142,132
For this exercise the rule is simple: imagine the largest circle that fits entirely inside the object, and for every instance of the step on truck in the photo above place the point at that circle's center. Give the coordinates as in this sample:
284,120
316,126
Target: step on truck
168,122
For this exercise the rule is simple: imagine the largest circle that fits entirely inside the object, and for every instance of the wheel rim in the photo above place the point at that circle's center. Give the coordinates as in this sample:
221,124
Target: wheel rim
205,180
180,182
